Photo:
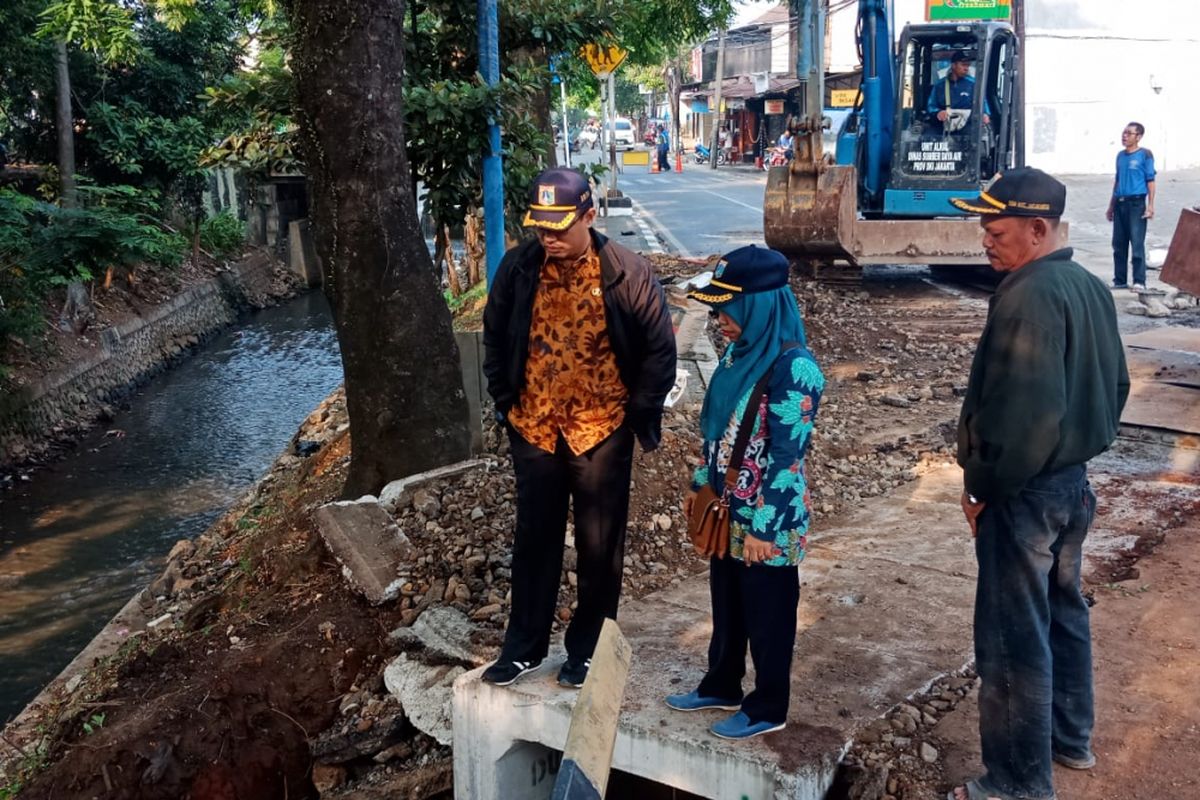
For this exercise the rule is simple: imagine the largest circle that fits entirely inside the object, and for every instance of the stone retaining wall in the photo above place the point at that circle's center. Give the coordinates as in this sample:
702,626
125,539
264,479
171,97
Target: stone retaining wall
76,396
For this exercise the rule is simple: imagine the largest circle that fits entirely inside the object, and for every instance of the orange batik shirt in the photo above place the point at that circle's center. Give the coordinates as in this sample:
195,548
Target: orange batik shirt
572,384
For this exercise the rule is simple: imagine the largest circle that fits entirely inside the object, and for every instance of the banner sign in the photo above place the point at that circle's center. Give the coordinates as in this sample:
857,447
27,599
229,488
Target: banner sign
935,157
842,98
773,107
948,10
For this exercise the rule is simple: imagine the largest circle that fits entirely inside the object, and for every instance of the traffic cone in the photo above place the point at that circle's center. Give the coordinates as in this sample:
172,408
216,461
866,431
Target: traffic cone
653,161
678,161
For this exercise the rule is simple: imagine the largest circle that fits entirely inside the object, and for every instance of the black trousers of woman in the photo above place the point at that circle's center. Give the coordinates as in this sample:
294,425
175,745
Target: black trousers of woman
597,484
753,605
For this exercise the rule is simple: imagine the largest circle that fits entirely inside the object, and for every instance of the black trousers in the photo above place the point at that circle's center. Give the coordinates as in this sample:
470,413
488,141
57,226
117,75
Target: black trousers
755,605
598,484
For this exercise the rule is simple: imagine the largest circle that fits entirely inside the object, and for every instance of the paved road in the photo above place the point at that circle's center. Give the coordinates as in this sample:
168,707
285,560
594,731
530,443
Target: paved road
702,211
699,211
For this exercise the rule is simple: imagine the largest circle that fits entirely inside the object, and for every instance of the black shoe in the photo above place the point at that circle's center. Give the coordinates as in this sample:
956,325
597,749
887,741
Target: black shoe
502,673
574,672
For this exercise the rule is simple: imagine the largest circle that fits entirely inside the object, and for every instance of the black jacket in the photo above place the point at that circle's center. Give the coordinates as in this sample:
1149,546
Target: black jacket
1048,381
639,328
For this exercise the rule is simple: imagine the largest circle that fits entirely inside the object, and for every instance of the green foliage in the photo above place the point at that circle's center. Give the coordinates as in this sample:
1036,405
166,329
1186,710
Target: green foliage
256,105
93,723
21,769
44,247
467,298
223,234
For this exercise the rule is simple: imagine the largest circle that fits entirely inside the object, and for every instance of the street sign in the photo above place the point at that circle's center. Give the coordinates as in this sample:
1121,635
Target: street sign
945,10
603,59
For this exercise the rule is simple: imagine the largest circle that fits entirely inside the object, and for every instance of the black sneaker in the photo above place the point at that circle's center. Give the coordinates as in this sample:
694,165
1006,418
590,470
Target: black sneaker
502,673
574,672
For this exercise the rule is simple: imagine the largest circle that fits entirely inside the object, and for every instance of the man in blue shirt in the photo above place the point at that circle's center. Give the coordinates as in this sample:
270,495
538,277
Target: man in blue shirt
1132,204
955,91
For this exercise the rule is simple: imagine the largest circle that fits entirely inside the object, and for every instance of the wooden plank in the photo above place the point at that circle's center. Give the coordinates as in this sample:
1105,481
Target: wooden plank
1182,267
1163,405
1168,337
587,756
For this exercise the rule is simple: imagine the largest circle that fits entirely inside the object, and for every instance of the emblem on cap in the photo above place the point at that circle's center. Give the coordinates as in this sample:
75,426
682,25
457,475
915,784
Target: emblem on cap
545,195
721,265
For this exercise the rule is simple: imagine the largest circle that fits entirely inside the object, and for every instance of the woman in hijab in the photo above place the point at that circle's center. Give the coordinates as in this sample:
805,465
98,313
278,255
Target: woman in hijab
756,587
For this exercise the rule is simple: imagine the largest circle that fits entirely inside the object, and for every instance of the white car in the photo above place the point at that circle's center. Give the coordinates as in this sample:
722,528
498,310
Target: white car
624,135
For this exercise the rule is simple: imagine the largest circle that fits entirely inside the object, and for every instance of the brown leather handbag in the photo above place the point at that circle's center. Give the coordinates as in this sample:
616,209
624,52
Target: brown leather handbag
708,524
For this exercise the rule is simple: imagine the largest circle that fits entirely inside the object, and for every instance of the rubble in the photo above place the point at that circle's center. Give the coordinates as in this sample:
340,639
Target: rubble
368,545
425,693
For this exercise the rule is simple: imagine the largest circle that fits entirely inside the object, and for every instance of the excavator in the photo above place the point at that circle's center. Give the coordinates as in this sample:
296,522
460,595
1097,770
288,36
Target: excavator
904,150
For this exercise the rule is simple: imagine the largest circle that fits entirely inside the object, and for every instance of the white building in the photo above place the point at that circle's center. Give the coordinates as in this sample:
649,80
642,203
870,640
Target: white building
1091,67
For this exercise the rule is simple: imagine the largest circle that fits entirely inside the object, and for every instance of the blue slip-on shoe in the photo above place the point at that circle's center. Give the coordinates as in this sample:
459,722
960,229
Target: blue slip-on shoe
693,701
739,726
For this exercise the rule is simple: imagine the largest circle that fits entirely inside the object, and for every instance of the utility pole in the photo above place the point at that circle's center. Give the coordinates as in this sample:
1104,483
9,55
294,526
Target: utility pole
612,135
720,77
562,85
493,167
1018,11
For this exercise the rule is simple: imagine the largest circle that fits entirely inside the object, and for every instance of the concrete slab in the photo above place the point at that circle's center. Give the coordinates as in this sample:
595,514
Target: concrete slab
886,601
366,542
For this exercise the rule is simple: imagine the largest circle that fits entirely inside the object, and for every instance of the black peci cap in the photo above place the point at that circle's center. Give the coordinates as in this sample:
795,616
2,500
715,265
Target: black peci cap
746,270
1024,192
558,197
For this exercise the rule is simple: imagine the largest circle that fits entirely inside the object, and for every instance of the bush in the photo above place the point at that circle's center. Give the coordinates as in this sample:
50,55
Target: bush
223,234
43,247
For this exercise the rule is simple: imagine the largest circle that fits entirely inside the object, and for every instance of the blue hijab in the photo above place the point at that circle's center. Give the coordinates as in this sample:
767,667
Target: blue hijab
768,319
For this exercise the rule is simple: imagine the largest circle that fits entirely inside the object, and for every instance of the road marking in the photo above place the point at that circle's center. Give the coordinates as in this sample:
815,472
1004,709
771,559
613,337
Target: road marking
652,242
663,231
731,200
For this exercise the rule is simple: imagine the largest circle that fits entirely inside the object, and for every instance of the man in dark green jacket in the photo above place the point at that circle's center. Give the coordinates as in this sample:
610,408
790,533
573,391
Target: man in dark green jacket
1047,386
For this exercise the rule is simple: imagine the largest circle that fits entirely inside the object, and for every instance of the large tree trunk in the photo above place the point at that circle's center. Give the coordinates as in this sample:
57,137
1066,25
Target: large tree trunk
404,389
77,310
65,124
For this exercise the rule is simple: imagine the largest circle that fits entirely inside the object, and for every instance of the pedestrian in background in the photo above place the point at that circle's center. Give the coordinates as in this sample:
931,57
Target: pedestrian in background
664,147
579,357
766,374
1045,394
1132,204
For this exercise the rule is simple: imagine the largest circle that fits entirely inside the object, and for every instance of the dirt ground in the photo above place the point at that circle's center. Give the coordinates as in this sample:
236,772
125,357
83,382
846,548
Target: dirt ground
270,660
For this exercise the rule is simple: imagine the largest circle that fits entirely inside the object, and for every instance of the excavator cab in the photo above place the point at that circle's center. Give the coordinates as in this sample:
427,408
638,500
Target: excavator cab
955,123
884,197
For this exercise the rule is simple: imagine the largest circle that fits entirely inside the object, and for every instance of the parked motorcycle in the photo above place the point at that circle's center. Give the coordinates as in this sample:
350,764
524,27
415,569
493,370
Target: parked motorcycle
703,154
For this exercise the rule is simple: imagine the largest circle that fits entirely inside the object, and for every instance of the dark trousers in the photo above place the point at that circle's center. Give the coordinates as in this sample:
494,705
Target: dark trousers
755,605
598,484
663,165
1033,644
1129,231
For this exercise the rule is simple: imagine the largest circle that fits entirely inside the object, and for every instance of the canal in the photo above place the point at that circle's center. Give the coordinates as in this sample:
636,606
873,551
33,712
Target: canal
85,533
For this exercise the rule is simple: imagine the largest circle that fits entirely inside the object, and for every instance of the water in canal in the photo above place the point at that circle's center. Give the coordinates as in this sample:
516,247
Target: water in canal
84,534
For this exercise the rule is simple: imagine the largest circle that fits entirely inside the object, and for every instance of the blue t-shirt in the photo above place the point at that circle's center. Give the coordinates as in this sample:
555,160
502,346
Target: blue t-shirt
1134,171
962,92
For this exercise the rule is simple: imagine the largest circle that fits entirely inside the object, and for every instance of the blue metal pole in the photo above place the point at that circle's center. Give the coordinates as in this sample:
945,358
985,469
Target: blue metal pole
493,168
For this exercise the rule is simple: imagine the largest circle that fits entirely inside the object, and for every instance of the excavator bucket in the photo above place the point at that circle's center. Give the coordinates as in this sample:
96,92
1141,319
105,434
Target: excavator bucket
809,210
